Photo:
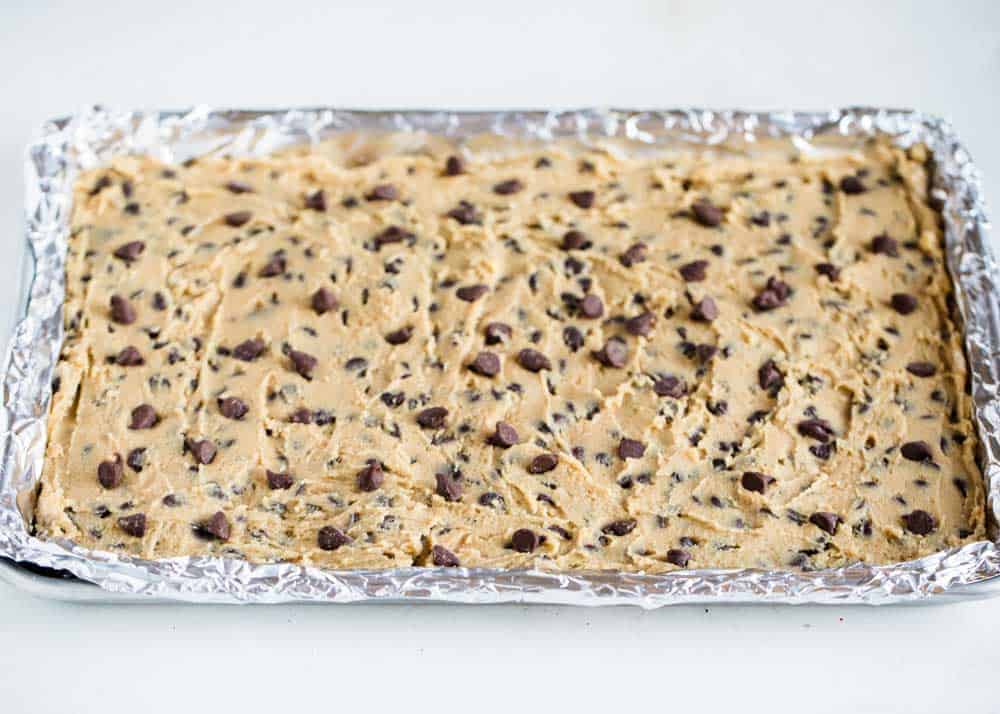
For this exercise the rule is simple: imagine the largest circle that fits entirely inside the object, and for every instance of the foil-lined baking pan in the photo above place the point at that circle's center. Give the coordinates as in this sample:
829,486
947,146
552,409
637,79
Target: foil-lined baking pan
92,137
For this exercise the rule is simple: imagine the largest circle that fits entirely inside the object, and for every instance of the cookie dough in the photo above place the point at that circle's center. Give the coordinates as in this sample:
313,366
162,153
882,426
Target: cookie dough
565,356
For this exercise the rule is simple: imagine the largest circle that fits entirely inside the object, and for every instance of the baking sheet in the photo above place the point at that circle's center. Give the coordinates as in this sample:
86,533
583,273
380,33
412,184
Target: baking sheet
91,137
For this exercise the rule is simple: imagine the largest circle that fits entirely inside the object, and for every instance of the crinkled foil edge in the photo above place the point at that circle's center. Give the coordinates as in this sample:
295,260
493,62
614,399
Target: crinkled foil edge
91,137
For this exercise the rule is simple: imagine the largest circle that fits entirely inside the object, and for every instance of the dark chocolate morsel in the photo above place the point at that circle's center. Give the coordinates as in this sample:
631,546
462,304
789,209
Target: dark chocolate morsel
110,474
678,557
486,364
670,386
852,185
448,487
371,477
591,306
203,450
636,253
278,480
642,324
921,369
432,417
249,350
705,310
238,218
443,558
217,526
756,481
323,301
543,463
917,451
454,166
122,311
524,540
506,188
614,353
695,271
769,377
582,199
497,332
233,407
631,449
316,201
903,303
706,213
575,240
330,538
919,522
825,521
619,528
143,417
383,192
818,429
533,360
884,245
129,357
400,336
471,293
504,437
130,251
134,525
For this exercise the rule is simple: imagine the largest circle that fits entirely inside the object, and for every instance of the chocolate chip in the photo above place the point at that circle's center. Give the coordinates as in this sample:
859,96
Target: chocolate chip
670,386
614,353
239,187
903,303
330,538
134,525
302,363
302,416
448,487
217,526
122,311
635,254
762,219
278,481
506,188
323,301
102,183
159,301
830,270
371,477
453,166
818,429
695,271
110,474
825,521
316,201
382,192
884,245
143,417
705,310
533,360
756,481
249,350
233,407
130,251
917,451
392,234
774,295
591,306
432,417
572,338
770,378
486,364
582,199
466,214
237,219
642,324
619,528
575,240
543,463
921,369
524,540
678,557
129,357
497,332
631,449
919,522
852,185
504,437
203,451
443,558
274,267
471,293
706,214
705,352
400,336
136,459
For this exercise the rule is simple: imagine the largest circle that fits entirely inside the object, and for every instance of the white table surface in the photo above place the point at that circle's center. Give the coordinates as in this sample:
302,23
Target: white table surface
58,56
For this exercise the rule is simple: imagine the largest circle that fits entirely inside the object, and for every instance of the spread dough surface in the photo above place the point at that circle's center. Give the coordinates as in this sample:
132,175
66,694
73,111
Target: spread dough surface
562,356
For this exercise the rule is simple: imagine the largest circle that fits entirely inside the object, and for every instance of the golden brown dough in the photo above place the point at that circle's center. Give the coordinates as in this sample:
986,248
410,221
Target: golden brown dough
552,355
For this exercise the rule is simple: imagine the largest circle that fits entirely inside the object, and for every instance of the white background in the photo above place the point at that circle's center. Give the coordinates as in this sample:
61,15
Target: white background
57,56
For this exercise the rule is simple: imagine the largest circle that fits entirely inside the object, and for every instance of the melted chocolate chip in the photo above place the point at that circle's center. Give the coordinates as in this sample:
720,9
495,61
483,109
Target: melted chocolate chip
249,350
631,449
432,417
233,407
143,417
695,271
323,301
330,538
371,477
582,199
110,474
130,251
279,481
504,437
533,360
825,521
614,353
543,463
471,293
756,481
122,311
919,522
443,558
706,214
129,357
134,525
486,364
524,540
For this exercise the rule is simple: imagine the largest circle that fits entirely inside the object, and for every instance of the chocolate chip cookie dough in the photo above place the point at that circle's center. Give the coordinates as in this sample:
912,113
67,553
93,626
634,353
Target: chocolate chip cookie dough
561,356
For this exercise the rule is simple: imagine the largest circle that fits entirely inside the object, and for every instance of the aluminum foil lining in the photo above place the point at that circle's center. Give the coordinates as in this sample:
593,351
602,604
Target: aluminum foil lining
92,137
